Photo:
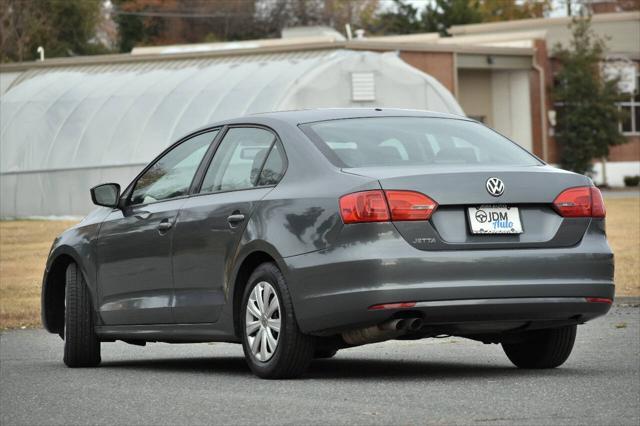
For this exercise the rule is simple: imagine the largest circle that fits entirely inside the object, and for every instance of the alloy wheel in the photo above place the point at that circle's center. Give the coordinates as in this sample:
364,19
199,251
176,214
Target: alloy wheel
262,321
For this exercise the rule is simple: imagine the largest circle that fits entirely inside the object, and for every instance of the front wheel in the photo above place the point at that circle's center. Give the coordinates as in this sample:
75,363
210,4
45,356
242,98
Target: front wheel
542,348
81,344
273,345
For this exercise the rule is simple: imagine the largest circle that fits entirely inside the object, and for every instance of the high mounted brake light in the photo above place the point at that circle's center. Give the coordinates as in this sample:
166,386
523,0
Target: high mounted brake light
582,201
384,206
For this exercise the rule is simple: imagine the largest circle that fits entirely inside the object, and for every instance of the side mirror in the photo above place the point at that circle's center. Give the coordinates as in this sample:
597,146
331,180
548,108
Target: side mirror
107,195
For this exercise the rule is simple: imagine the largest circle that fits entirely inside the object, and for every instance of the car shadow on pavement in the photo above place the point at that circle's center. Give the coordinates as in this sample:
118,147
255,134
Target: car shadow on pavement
374,369
361,369
226,365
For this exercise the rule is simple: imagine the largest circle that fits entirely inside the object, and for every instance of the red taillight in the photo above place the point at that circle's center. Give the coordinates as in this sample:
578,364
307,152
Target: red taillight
409,205
583,201
383,206
392,306
599,300
597,203
366,206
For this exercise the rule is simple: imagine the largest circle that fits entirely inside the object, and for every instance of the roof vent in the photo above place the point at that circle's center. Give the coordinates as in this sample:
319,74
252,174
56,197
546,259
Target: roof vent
363,87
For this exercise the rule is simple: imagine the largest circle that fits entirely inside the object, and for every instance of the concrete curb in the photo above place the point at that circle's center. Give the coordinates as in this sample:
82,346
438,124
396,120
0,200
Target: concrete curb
627,301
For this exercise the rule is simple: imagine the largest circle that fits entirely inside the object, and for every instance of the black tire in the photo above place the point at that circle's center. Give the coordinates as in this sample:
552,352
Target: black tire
542,348
325,353
81,344
294,350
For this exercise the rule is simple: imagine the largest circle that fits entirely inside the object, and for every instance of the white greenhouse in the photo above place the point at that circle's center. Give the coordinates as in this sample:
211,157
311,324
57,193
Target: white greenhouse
71,125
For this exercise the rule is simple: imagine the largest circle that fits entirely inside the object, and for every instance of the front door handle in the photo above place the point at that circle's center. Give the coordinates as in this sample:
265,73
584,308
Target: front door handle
235,219
165,225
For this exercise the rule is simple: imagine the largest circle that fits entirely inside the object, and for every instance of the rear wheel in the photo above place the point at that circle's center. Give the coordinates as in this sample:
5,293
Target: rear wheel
81,344
542,348
273,345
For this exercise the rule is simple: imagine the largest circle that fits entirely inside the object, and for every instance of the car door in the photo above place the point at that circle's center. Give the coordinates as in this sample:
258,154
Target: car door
134,243
245,167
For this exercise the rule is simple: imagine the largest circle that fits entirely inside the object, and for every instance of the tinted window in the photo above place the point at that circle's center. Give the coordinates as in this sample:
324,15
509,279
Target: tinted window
172,174
411,141
238,160
273,168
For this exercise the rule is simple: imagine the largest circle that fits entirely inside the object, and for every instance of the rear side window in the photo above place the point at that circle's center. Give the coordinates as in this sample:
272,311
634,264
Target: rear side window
273,169
239,160
413,141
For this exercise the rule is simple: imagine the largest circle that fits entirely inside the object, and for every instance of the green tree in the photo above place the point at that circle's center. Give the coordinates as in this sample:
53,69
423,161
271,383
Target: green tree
587,122
403,18
440,15
510,10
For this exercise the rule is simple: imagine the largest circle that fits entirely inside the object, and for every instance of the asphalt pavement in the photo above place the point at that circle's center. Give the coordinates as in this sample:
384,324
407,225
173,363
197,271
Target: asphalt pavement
435,381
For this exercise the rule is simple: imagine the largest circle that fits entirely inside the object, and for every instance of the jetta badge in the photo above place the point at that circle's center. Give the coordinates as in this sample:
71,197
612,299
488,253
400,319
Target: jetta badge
495,186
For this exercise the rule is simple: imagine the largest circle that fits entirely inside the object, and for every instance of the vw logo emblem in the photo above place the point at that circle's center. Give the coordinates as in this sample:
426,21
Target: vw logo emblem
495,186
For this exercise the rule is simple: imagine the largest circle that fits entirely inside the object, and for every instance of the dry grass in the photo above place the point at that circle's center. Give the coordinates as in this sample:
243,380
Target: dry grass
24,246
623,231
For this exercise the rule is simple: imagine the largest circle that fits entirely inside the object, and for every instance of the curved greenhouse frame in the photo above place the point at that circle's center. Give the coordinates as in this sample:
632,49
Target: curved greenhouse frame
67,128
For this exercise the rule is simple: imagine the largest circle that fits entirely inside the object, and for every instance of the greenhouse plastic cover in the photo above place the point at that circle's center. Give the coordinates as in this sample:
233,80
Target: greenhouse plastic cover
65,129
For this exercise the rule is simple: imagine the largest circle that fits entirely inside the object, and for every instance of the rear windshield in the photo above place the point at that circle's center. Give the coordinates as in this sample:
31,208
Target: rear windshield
413,141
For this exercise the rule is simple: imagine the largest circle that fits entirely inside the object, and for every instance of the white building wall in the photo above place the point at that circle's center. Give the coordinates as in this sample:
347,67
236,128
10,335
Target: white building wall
512,106
616,171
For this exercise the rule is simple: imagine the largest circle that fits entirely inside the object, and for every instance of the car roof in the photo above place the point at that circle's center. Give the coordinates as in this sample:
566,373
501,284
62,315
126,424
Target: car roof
296,117
321,114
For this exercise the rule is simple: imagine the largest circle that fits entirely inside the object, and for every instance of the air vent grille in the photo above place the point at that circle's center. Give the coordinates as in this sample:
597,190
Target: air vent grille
363,87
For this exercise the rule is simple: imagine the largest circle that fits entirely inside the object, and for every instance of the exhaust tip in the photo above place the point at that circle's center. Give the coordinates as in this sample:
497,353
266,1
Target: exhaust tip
394,325
414,324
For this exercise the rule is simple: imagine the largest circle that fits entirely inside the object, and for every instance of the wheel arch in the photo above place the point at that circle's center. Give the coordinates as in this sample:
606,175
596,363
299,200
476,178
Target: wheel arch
252,257
54,287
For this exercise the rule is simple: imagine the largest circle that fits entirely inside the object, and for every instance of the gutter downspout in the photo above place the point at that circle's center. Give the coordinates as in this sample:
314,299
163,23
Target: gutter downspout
543,106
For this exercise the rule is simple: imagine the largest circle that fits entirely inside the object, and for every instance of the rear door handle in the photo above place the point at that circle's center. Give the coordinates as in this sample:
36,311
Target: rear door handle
235,219
165,225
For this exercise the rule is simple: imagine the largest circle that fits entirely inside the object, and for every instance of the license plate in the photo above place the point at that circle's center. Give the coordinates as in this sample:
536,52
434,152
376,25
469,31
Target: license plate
495,220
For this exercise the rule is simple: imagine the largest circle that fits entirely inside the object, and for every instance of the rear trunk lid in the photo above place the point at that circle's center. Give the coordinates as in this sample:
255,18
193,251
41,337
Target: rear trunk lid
532,189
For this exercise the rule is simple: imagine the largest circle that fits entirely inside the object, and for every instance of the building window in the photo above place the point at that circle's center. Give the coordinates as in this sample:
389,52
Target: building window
630,124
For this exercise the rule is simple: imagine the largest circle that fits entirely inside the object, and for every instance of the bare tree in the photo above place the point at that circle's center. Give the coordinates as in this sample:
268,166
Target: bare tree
21,22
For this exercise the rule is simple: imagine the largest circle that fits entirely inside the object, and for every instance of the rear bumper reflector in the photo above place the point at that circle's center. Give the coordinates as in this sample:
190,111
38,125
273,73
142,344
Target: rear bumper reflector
392,306
599,300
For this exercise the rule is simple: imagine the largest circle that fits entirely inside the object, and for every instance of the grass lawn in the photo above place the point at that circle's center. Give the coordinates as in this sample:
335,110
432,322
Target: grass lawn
24,246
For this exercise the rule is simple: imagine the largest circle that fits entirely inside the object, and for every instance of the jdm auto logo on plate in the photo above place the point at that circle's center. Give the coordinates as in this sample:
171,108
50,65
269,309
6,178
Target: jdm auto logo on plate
495,220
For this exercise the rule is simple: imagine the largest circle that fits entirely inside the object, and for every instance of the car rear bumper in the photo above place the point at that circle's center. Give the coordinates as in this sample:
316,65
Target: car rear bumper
334,289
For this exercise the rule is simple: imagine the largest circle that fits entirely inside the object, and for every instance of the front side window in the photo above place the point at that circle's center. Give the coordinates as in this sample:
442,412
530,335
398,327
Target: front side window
172,174
239,160
413,141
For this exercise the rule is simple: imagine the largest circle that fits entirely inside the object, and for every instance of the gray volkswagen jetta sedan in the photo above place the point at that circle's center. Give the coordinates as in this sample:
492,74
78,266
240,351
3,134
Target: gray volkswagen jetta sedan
301,233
